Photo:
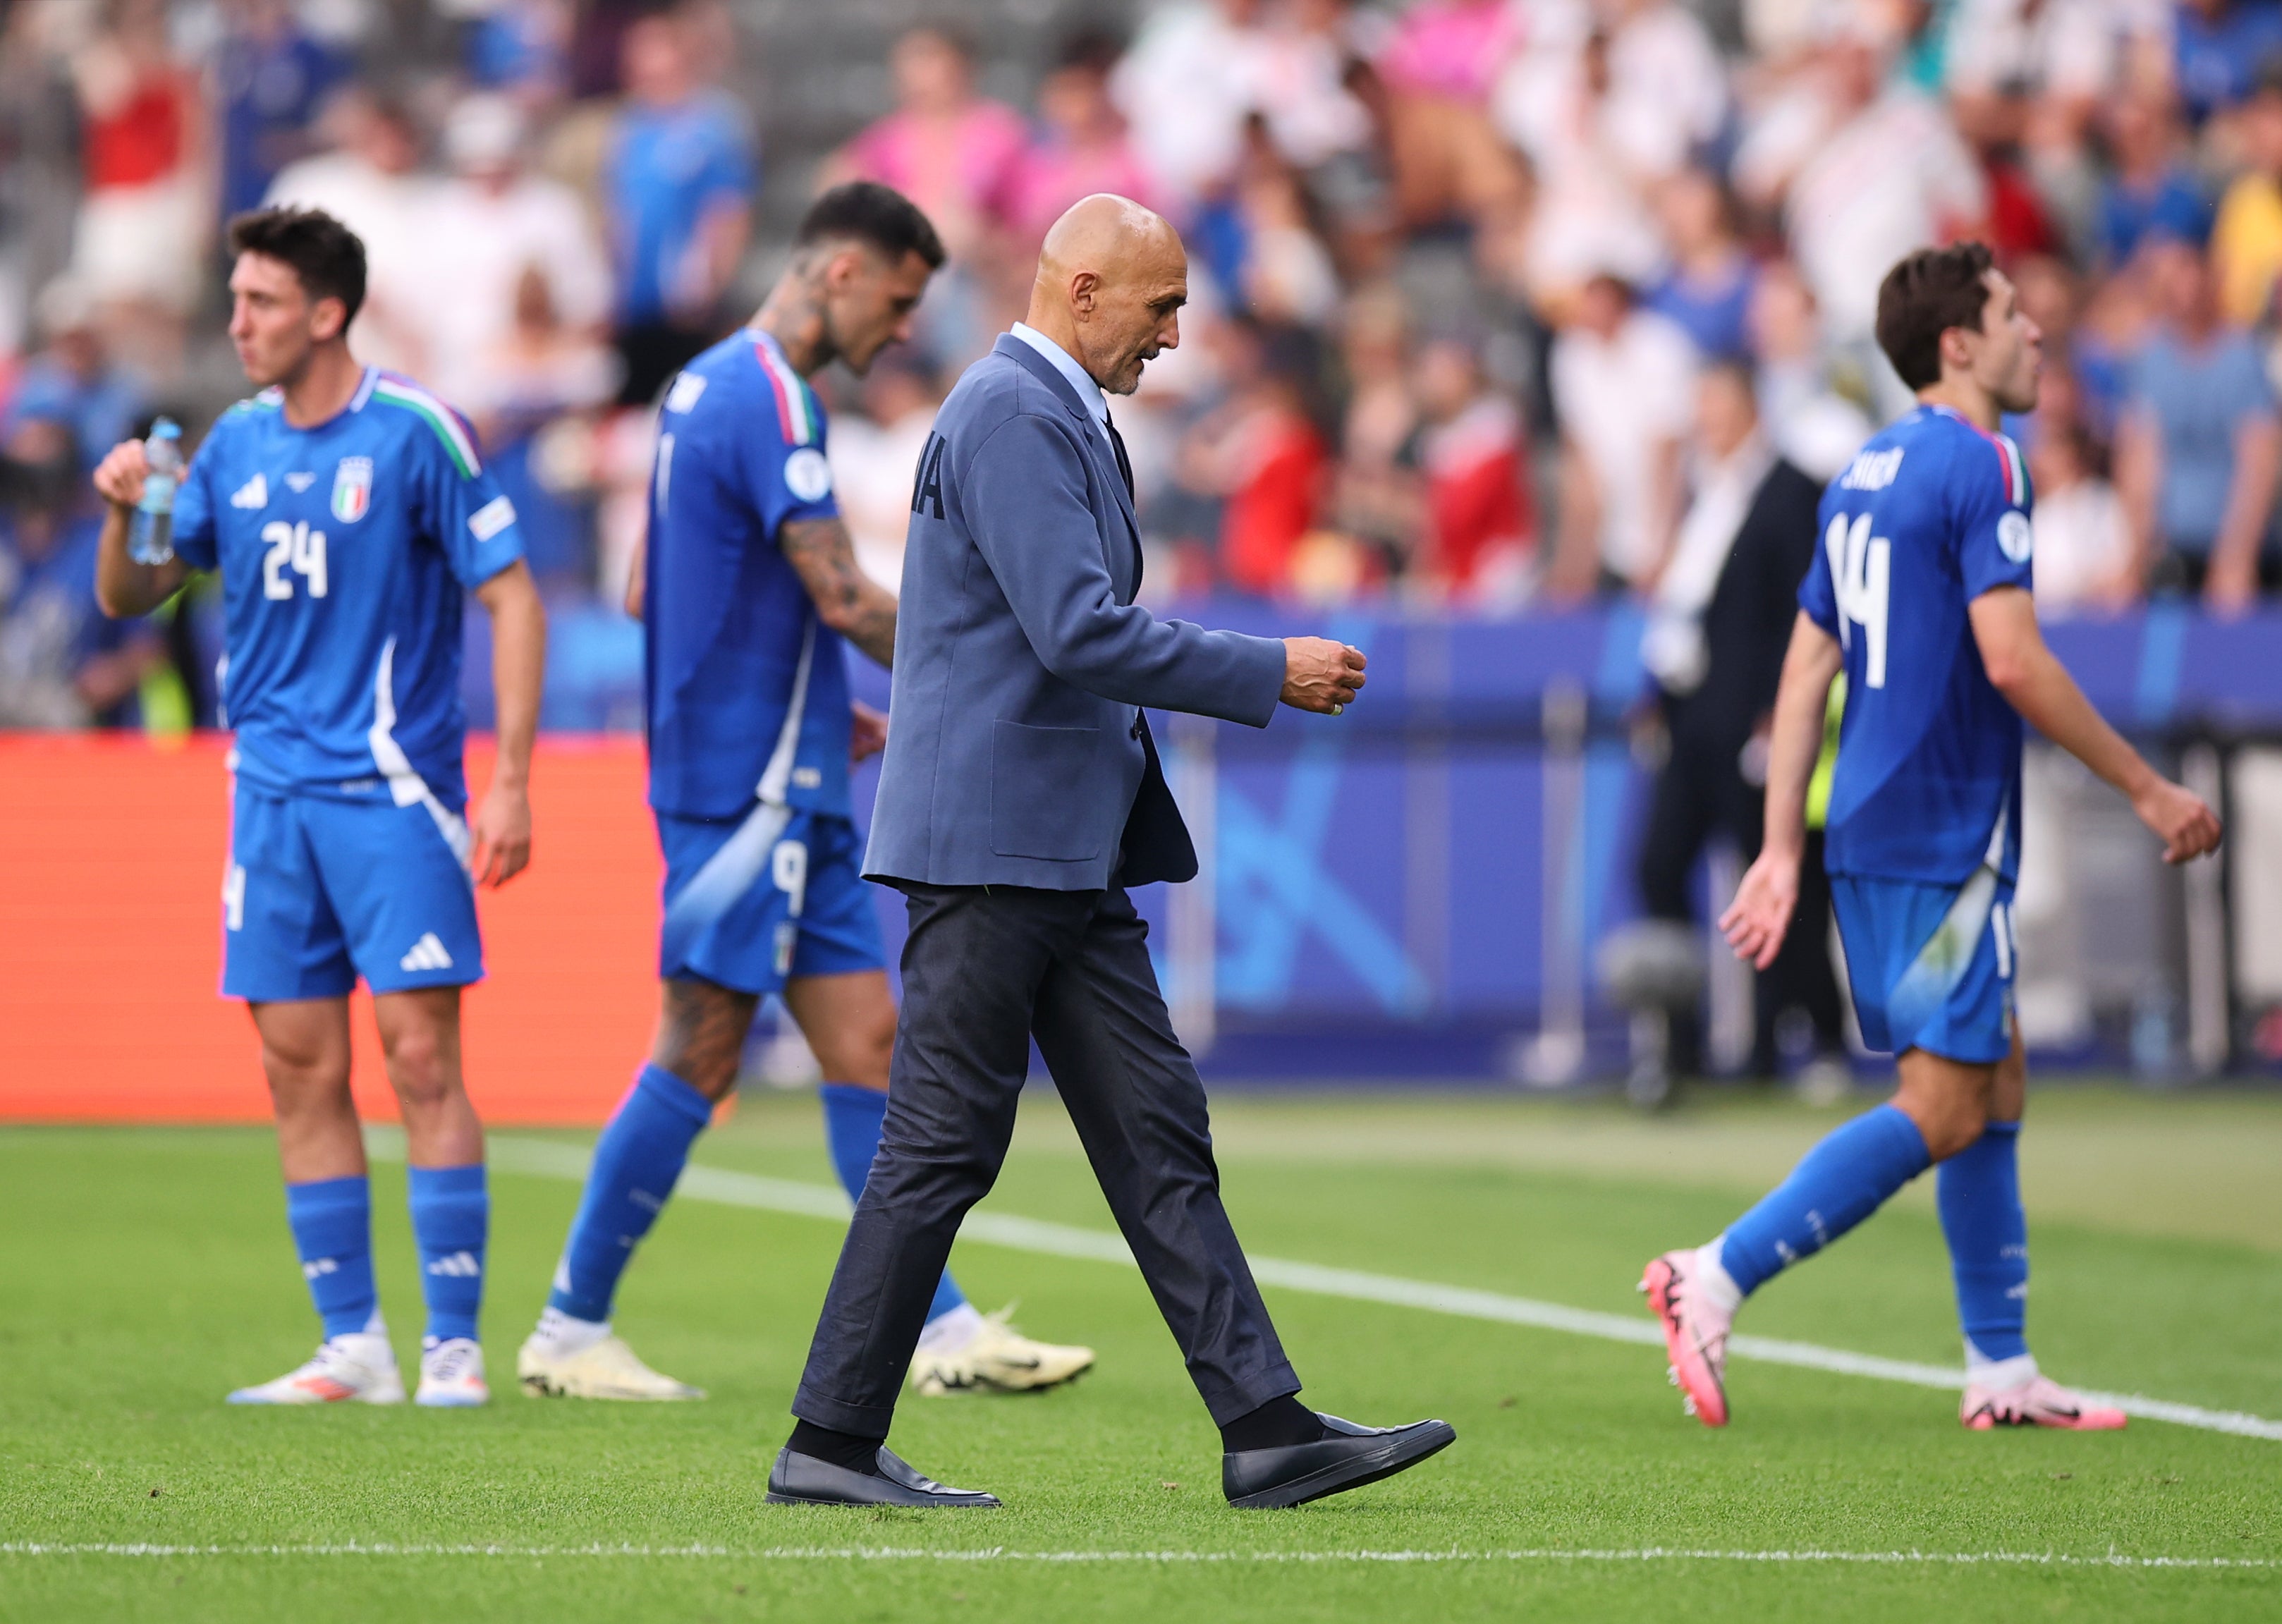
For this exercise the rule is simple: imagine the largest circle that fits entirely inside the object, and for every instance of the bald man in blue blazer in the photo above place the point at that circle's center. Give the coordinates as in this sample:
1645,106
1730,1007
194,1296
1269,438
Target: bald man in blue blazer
1020,798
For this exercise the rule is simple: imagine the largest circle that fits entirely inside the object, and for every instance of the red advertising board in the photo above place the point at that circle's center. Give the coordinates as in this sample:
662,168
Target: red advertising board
111,940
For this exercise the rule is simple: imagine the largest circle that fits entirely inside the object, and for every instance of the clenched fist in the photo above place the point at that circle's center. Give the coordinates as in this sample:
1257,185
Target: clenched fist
1321,675
119,477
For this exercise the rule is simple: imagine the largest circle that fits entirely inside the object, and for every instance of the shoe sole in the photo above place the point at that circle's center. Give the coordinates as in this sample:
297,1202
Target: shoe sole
396,1397
1399,1455
778,1497
542,1386
936,1387
1691,1372
1983,1422
456,1401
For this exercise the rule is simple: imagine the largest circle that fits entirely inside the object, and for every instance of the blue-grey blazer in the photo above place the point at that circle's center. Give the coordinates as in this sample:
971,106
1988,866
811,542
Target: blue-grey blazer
1018,753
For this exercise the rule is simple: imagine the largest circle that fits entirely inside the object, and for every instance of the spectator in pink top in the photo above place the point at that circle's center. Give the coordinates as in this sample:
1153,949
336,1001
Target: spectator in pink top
1082,147
1453,49
954,152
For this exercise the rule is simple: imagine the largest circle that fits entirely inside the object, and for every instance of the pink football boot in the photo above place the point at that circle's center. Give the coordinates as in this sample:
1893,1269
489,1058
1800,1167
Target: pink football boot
2038,1401
1694,1335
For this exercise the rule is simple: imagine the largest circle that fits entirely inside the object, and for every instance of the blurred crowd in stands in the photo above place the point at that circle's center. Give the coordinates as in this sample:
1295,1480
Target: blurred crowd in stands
1472,280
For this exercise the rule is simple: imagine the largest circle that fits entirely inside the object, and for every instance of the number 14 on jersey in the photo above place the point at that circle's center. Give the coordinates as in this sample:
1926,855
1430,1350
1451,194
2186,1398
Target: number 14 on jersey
1861,568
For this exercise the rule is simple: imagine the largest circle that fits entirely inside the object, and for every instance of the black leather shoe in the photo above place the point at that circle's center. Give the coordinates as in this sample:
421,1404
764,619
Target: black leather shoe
803,1479
1351,1456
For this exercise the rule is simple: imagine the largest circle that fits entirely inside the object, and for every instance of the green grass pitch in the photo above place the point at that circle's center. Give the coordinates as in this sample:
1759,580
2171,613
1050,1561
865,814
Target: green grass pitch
146,1272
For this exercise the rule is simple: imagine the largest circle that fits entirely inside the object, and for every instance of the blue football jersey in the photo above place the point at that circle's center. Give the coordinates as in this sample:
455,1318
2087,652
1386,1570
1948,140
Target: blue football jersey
744,682
1931,514
346,552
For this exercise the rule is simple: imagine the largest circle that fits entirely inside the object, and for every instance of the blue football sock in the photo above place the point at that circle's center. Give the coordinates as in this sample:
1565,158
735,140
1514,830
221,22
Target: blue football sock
637,1162
1979,1195
332,1231
451,1224
852,1116
1835,1185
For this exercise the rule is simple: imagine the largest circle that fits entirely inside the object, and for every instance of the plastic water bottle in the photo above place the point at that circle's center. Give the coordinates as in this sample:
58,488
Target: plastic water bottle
150,533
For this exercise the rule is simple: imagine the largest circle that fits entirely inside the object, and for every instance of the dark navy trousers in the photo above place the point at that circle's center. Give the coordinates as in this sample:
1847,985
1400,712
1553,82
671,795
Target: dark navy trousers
986,970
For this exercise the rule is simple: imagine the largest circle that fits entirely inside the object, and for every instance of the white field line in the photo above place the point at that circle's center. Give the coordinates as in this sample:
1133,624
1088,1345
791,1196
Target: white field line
516,1155
861,1553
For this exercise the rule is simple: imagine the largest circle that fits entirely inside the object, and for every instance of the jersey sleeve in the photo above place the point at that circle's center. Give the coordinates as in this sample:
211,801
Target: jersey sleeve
1989,501
788,477
194,509
1818,593
473,522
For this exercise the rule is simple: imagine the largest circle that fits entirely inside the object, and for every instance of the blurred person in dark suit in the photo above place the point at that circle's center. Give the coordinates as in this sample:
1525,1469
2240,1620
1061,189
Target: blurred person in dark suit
1720,619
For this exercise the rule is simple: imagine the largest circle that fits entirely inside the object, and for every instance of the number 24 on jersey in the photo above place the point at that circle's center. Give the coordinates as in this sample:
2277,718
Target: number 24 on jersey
297,547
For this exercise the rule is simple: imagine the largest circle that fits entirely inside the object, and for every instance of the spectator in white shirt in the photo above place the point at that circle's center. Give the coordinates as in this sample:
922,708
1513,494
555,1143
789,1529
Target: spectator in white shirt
495,220
1590,211
873,453
370,180
2084,551
1811,420
1624,388
1865,173
1185,89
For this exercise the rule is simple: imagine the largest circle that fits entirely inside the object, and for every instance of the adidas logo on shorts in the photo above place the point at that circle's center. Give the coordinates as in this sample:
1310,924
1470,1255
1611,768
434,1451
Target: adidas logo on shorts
427,955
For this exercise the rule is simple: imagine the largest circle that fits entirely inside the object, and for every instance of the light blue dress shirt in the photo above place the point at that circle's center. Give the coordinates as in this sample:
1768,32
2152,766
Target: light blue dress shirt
1088,390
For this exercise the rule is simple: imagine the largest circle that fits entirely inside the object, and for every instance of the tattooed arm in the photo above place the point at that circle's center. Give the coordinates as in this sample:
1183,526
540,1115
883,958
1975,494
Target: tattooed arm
847,600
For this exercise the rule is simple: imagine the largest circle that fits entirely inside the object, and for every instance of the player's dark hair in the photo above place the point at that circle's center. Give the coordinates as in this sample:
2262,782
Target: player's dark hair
1922,298
879,217
326,255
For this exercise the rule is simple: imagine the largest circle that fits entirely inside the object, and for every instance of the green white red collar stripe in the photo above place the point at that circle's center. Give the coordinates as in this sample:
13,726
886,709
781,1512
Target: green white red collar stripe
795,410
2014,470
457,441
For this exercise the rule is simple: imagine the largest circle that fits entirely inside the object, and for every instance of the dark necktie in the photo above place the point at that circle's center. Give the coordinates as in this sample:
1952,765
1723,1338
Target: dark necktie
1117,445
1125,472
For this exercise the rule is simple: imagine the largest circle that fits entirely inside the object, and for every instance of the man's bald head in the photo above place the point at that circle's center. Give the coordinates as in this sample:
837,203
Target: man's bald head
1112,279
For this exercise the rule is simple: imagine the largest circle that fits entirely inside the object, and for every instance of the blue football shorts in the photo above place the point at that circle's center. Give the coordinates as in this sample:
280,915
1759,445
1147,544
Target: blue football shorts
753,902
1932,966
319,892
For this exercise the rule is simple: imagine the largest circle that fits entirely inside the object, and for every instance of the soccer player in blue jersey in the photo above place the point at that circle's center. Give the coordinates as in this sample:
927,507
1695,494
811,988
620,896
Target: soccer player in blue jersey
1921,594
749,590
348,512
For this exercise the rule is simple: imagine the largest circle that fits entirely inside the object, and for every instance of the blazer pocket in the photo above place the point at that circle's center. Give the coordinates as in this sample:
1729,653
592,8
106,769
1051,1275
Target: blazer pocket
1040,798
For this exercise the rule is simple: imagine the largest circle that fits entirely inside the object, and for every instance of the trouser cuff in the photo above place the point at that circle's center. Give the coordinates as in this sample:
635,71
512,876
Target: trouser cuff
864,1421
1226,1403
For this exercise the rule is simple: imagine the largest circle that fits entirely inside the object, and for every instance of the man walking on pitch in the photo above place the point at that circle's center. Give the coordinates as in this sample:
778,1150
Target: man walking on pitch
1020,798
748,590
1921,593
348,511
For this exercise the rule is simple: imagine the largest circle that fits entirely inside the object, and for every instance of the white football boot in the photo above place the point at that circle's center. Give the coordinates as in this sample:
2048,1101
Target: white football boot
603,1368
993,1354
1696,1327
452,1375
2037,1401
359,1367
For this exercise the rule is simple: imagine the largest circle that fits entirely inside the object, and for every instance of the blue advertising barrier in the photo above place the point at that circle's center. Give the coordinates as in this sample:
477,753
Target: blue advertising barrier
1416,889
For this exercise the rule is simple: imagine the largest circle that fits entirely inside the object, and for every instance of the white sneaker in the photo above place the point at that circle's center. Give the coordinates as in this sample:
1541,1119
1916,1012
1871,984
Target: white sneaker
996,1355
606,1368
359,1367
452,1375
